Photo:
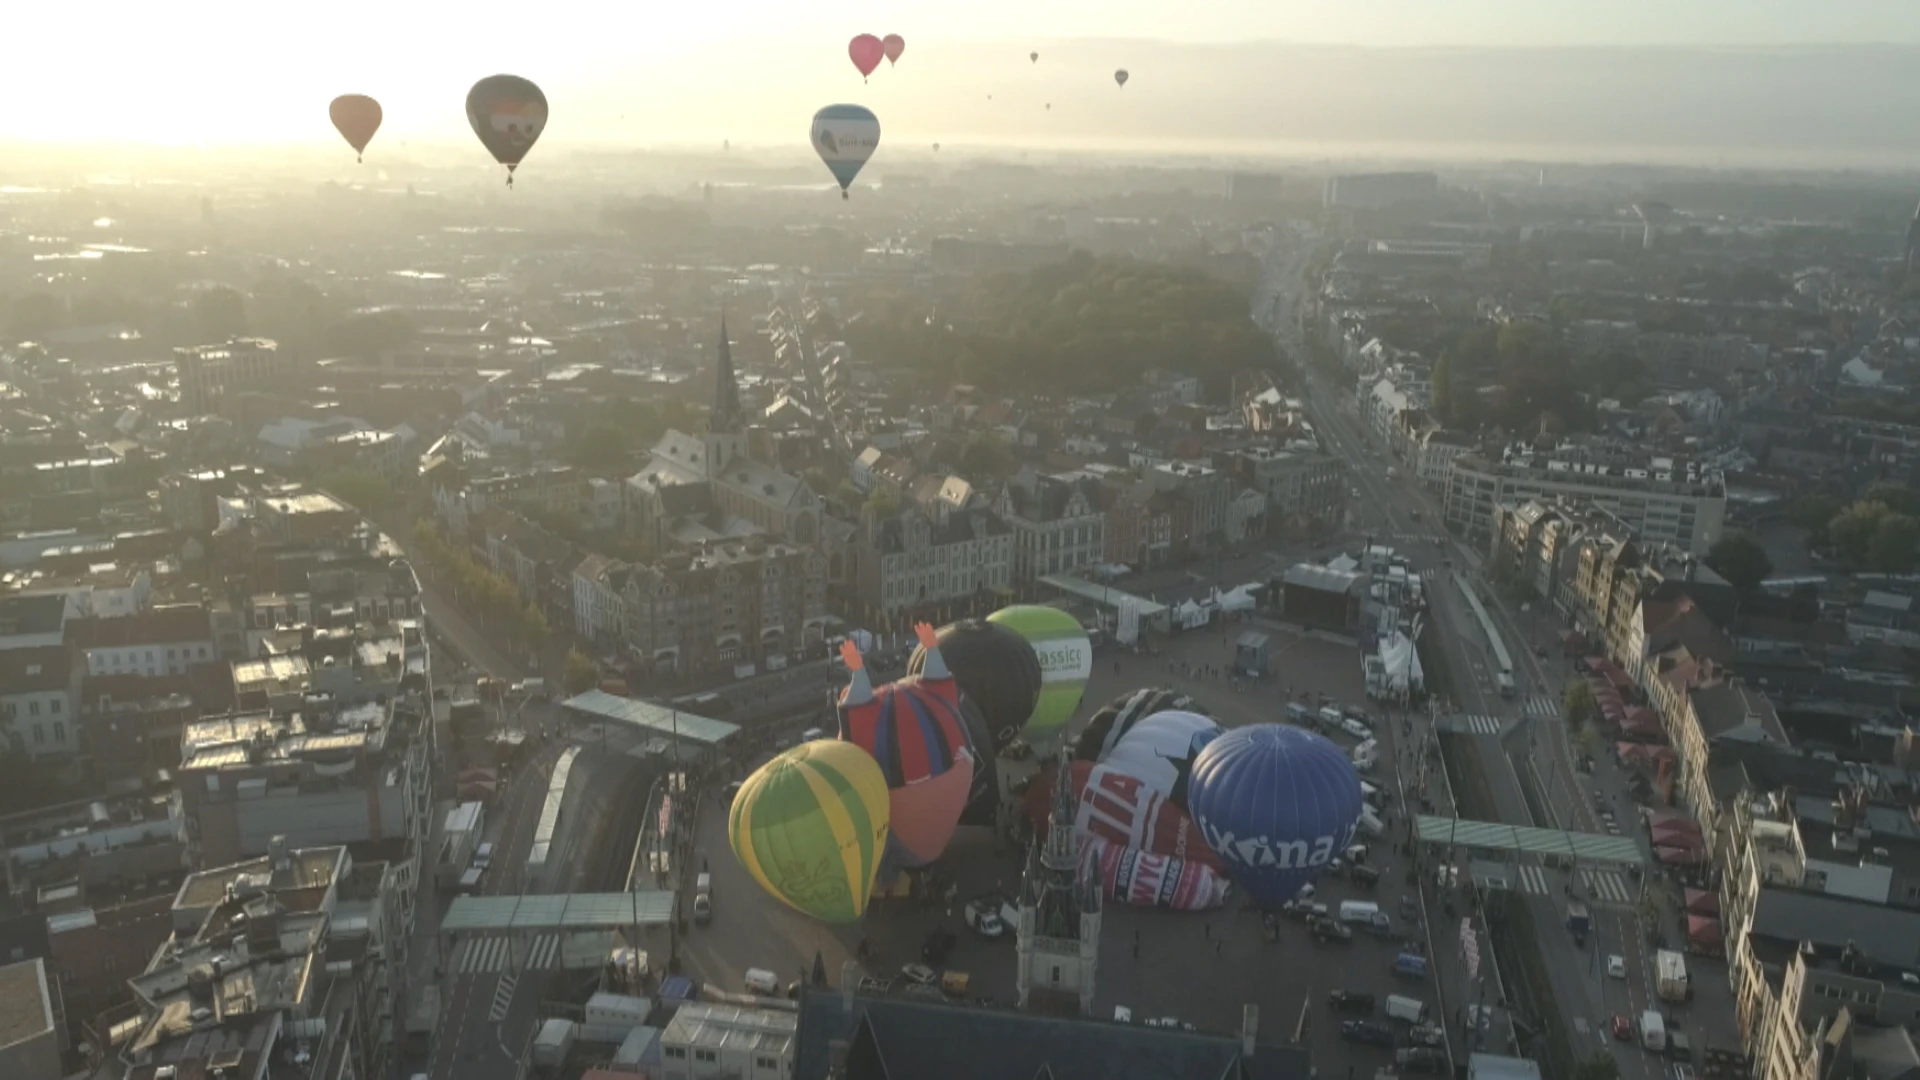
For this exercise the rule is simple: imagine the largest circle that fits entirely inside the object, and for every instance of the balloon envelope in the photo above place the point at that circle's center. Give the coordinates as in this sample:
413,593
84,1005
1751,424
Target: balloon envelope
845,136
1144,879
1161,750
1117,717
893,45
866,51
1276,803
507,113
810,827
995,667
356,117
1035,57
983,805
1120,76
1066,662
916,732
1115,808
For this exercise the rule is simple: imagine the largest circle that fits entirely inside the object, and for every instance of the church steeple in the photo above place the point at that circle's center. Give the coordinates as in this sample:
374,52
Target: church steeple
725,417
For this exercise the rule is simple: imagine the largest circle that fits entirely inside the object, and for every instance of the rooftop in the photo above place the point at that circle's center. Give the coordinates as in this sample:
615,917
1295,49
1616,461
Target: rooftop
26,1007
658,719
732,1027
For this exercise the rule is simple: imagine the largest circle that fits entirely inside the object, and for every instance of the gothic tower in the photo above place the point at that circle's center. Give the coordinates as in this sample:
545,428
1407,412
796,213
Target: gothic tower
727,422
1059,927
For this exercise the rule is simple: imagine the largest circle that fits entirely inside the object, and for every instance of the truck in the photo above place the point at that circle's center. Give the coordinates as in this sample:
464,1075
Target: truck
1411,1010
1670,976
1579,922
1504,680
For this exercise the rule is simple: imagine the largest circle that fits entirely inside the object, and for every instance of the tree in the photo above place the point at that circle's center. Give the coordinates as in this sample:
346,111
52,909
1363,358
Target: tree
220,313
1578,701
1895,546
1741,561
1601,1066
1851,530
582,673
533,625
882,504
364,490
1813,512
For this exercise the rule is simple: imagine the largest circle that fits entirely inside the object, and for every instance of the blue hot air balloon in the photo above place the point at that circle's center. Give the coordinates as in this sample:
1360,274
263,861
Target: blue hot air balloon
845,136
1277,804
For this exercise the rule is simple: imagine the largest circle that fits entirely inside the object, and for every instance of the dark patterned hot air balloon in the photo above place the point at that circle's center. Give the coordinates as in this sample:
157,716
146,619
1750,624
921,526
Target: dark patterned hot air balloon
1108,726
508,113
996,667
983,805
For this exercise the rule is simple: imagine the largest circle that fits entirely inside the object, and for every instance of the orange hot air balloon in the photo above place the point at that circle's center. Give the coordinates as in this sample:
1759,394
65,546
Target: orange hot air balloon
893,45
356,117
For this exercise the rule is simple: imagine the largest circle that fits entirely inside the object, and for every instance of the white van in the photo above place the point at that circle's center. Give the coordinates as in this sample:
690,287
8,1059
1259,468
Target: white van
1331,718
812,734
1371,824
1358,911
1122,1014
483,855
1653,1031
1412,1010
763,982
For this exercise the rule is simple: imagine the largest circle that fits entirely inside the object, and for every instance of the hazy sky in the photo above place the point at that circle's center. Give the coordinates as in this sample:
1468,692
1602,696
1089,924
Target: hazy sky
225,70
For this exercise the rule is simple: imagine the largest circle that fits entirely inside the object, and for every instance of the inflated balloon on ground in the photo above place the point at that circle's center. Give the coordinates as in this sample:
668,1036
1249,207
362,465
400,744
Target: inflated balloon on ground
914,729
811,825
1114,719
1277,804
996,667
1065,653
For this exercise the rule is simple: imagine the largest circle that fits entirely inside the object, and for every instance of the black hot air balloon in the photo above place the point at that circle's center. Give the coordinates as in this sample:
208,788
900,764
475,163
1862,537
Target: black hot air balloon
983,803
507,113
1120,76
996,667
1117,717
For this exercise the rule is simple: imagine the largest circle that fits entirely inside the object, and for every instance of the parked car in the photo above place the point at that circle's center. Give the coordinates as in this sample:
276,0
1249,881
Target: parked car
1329,930
1622,1027
919,973
983,917
1421,1059
1370,1032
1352,1001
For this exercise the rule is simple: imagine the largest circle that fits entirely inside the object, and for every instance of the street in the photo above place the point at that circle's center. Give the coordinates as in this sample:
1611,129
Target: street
1509,737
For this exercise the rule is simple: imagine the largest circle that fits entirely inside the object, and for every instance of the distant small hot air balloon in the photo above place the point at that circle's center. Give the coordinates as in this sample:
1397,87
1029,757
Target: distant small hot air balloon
893,45
1120,76
845,136
507,113
356,117
866,51
726,144
1034,57
936,148
1049,106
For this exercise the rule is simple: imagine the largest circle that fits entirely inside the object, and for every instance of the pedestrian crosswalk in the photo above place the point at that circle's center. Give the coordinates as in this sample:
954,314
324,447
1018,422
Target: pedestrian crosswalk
496,953
1474,725
1533,879
502,998
1607,887
1543,706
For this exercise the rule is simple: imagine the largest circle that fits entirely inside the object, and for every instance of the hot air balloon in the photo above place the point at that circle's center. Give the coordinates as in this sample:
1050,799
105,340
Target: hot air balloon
1115,807
914,729
994,666
1120,76
356,117
845,136
1117,717
1161,750
936,148
1034,57
1049,106
893,45
866,51
810,826
1066,662
983,804
1144,879
1276,803
508,113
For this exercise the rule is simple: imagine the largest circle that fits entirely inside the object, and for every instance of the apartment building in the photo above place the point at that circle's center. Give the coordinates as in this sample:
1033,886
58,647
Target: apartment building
941,554
1058,526
1303,488
1663,501
747,606
212,374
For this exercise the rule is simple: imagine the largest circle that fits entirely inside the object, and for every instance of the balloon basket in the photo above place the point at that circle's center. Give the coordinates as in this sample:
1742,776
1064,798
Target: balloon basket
845,196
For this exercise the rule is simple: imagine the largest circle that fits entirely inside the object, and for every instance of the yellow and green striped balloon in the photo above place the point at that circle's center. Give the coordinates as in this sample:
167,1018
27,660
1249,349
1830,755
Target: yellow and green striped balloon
810,826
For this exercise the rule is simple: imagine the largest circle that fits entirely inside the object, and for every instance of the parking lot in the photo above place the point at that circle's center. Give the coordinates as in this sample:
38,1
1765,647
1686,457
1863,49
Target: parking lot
1197,967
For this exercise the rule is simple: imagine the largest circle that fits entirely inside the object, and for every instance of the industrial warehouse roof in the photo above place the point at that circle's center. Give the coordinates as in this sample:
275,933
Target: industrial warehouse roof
572,911
1524,840
677,724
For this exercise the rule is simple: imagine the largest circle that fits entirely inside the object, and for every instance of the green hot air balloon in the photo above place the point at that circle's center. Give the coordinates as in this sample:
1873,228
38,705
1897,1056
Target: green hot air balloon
1066,662
811,825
